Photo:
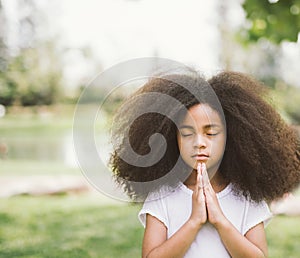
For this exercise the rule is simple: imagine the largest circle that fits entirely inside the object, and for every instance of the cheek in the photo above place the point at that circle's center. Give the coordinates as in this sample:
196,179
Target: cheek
218,146
181,146
222,142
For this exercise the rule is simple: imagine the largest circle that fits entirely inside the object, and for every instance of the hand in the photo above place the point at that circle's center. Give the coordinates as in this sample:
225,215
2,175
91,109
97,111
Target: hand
199,213
214,212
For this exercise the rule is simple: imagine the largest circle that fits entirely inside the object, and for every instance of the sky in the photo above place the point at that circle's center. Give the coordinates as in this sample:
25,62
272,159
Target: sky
119,30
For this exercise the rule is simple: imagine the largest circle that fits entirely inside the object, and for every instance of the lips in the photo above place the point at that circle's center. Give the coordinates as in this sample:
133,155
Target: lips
200,156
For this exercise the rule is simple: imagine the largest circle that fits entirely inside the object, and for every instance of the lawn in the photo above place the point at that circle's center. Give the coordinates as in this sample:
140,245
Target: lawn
68,226
95,226
283,235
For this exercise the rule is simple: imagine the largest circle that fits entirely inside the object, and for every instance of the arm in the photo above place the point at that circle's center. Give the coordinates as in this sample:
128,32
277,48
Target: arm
156,244
253,244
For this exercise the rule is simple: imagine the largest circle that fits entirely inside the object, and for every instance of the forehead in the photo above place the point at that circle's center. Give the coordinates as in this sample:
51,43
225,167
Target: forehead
202,114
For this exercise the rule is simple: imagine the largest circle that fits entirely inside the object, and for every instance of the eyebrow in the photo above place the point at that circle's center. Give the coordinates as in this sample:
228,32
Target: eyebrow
205,127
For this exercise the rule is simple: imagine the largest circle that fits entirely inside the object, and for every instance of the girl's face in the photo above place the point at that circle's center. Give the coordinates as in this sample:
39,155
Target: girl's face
201,137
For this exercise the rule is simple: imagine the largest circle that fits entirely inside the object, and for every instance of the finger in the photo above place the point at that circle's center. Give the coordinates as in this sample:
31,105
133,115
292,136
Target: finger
207,185
201,182
200,195
198,179
200,174
206,181
199,167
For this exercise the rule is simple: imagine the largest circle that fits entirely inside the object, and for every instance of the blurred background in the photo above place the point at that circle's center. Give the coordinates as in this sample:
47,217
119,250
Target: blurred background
50,50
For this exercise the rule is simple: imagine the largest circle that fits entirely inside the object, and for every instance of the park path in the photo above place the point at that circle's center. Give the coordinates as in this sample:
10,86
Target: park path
42,185
50,185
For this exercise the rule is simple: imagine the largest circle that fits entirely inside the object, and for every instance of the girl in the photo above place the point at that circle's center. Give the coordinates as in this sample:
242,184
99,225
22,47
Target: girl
225,153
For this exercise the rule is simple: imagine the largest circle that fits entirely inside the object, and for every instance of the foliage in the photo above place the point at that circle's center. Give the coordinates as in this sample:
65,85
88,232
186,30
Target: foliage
30,69
292,106
33,77
276,20
101,95
286,100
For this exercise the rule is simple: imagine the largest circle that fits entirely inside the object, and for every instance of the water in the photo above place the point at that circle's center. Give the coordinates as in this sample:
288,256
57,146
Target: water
40,146
47,147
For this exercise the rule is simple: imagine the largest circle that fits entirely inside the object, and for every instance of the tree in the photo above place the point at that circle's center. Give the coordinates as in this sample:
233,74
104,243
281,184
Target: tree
31,74
276,20
33,77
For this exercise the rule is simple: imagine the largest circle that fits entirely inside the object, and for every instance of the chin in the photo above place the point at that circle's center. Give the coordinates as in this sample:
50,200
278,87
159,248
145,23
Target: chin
196,164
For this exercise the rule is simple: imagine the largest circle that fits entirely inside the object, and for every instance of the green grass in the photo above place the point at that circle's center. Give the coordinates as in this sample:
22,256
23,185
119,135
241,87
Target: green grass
68,226
96,226
283,235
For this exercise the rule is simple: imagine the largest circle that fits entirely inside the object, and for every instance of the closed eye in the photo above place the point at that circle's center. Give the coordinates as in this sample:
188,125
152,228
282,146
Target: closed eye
186,134
212,134
186,131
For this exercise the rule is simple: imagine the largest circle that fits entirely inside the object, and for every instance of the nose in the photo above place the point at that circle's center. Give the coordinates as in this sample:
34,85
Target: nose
200,141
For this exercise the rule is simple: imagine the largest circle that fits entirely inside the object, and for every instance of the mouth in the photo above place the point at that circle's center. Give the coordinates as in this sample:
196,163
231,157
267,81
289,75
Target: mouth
200,157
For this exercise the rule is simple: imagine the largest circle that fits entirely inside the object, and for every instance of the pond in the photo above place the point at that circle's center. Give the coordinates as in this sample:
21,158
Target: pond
45,147
39,147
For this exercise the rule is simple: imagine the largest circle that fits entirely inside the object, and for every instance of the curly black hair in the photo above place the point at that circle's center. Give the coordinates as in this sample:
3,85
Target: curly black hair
261,157
262,152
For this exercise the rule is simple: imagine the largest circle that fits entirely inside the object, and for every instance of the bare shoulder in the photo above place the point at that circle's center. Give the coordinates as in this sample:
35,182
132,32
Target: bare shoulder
155,233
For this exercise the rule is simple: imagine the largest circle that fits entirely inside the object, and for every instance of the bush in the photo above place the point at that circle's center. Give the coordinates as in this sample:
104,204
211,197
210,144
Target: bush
34,77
